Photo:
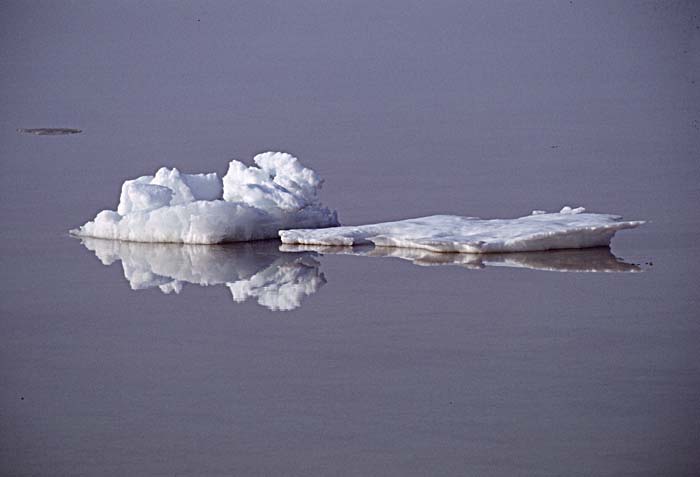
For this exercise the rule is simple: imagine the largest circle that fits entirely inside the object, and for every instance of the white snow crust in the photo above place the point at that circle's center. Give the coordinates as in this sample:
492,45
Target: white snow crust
569,228
257,270
250,203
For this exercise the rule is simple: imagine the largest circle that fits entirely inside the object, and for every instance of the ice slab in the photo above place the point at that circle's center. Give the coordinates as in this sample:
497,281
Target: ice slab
569,228
256,270
249,203
599,259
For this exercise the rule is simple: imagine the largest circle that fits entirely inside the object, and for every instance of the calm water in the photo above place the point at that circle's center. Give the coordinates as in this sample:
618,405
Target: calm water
379,366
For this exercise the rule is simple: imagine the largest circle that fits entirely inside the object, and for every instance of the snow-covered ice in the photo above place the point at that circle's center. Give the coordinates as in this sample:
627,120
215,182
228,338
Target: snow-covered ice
569,228
257,270
598,259
250,203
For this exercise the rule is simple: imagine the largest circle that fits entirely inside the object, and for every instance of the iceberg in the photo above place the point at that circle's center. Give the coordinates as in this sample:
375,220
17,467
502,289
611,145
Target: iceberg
599,259
256,270
569,228
248,203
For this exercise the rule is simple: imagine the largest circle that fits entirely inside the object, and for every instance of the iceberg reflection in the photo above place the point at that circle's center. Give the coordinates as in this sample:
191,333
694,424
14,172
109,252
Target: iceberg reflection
599,259
278,281
278,276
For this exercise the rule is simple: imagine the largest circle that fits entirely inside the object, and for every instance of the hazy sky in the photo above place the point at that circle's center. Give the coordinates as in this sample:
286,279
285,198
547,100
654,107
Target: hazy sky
406,108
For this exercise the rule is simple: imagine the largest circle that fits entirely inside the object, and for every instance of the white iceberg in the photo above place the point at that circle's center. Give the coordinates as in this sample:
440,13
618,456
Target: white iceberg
258,270
250,203
569,228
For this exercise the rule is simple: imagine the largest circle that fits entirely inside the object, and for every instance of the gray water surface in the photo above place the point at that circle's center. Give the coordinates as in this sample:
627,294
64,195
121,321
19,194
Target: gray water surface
383,367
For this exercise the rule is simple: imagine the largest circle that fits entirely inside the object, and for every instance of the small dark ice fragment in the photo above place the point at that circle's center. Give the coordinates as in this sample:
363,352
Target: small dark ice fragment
49,131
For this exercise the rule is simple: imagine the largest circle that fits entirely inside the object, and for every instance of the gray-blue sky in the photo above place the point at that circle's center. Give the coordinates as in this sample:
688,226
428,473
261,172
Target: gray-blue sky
406,108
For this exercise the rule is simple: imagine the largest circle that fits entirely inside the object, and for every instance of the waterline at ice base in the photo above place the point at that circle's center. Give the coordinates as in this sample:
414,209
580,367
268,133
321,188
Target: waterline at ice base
279,196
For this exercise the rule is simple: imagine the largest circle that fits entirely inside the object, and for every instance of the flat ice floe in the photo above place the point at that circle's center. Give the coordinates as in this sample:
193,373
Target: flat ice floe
257,270
250,203
569,228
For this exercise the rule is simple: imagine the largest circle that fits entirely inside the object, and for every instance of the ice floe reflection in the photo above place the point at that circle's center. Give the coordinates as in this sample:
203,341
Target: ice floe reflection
278,276
599,259
259,270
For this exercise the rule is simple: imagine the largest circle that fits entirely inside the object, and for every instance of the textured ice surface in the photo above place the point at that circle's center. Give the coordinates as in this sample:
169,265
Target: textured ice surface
598,259
280,182
569,228
250,203
279,281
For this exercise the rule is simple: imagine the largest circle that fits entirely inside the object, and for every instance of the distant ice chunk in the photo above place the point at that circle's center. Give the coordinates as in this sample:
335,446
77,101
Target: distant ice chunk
250,203
49,131
258,270
569,228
